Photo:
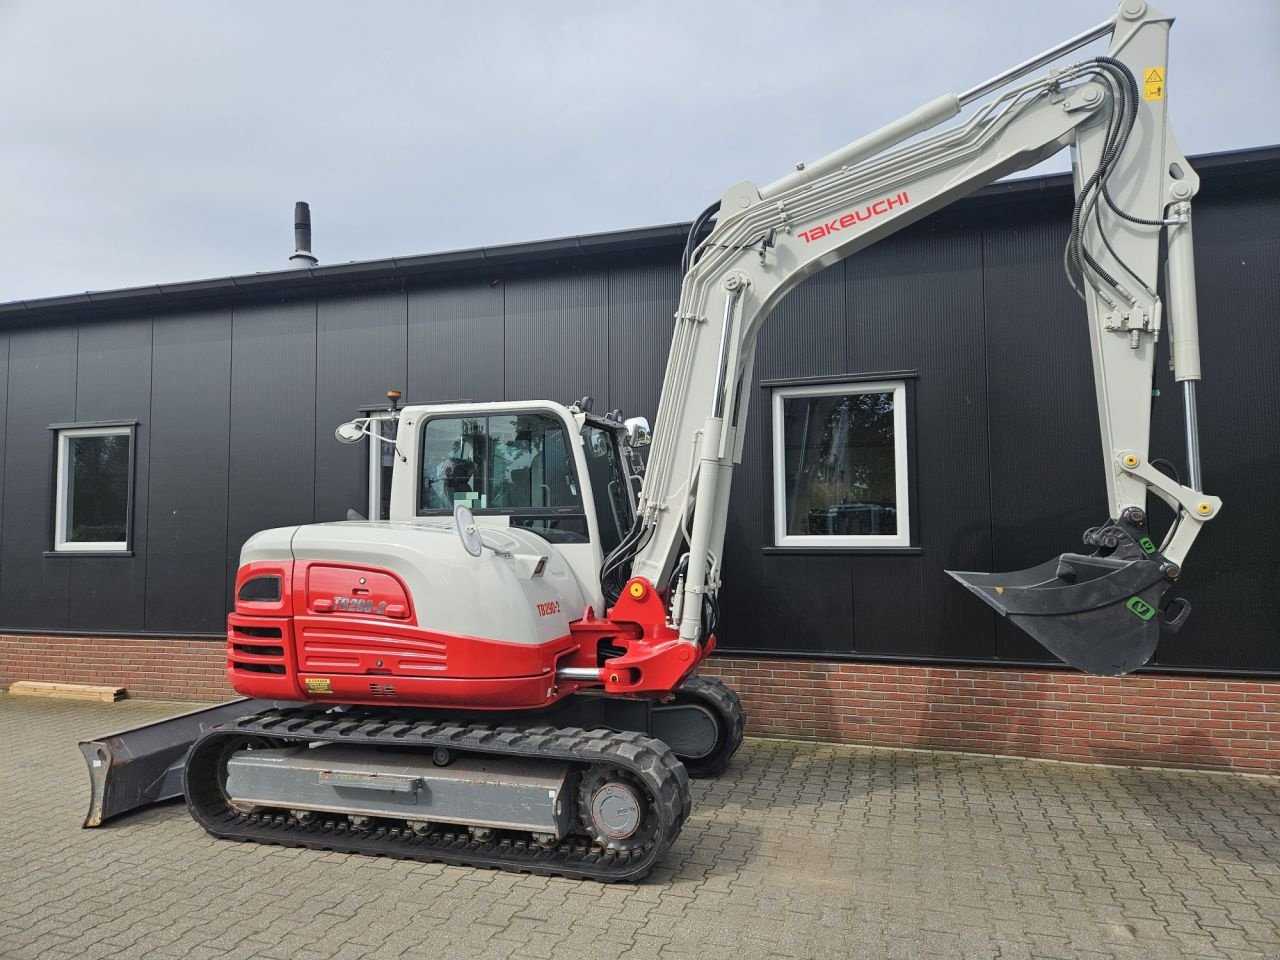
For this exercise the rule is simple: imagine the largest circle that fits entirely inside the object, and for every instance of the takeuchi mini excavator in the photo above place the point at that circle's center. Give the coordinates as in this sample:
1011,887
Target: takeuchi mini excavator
502,673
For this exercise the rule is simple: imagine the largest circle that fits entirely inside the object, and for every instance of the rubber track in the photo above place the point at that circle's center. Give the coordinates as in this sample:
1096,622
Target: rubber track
720,696
649,760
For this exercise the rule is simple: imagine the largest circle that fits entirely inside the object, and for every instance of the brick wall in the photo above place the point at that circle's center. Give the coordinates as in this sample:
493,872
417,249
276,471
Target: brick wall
151,668
1055,714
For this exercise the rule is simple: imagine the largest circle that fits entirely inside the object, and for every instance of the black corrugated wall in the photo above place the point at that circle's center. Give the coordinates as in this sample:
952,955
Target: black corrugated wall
236,405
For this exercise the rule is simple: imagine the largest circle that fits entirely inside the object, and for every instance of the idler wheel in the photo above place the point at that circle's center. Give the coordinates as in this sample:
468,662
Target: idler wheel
614,809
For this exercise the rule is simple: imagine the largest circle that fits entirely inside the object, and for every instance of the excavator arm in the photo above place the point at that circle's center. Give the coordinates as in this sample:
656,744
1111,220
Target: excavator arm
1102,612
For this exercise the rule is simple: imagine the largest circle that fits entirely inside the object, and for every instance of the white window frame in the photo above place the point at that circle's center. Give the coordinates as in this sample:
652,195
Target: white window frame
900,455
62,511
376,448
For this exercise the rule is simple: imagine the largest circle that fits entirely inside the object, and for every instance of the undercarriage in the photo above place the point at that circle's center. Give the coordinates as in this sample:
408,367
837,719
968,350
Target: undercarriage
594,787
597,804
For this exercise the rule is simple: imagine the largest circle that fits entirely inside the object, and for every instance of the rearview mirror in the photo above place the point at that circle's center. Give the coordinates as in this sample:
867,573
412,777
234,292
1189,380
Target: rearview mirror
351,431
638,434
465,522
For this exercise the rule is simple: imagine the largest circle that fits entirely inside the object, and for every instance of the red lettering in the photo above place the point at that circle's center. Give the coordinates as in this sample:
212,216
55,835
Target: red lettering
877,209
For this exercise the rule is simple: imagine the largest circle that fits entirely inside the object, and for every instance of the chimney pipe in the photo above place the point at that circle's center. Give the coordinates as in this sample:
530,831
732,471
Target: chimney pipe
302,256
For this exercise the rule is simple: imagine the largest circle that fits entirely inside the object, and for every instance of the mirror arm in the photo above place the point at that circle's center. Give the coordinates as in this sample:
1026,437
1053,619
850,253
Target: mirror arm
362,426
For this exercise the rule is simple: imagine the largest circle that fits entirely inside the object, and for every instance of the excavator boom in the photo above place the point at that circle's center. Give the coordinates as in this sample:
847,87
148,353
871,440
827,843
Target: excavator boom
1102,613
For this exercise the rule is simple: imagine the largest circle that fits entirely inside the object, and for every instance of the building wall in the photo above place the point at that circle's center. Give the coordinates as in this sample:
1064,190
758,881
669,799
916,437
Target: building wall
236,405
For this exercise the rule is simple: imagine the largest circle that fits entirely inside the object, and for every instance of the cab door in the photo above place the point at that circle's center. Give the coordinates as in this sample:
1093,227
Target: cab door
518,465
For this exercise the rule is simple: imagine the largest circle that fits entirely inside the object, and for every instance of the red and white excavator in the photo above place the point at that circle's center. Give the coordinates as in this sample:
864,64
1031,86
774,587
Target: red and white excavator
502,673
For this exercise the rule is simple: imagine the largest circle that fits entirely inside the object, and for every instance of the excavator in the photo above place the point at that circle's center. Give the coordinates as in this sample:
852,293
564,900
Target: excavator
502,674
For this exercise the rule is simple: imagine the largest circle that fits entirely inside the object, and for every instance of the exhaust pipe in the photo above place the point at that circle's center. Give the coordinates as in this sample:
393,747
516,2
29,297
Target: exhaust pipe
302,255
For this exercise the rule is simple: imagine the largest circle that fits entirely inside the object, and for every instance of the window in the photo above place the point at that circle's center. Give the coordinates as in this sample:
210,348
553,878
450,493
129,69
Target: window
519,464
94,488
840,465
614,514
382,460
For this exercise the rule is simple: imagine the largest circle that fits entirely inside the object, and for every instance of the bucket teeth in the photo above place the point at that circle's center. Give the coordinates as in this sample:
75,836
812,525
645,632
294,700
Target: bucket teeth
1099,614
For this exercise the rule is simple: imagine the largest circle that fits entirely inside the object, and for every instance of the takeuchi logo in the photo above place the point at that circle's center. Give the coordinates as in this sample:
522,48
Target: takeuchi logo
845,221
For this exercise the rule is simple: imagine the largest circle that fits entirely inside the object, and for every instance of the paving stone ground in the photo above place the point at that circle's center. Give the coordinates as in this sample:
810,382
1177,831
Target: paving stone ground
800,851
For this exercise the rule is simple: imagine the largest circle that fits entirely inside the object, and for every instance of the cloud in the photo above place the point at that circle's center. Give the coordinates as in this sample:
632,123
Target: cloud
153,141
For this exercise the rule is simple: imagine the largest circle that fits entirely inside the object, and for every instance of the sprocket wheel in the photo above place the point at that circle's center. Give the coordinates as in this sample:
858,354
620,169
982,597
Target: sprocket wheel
615,809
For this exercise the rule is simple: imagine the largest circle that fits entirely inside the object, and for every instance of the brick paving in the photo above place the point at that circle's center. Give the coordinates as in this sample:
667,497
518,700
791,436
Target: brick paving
801,850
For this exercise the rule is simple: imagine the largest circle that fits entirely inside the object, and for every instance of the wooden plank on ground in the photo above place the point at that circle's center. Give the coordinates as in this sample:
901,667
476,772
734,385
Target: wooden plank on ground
67,691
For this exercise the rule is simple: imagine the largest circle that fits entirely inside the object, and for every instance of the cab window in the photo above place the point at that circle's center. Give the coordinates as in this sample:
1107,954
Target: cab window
513,463
608,486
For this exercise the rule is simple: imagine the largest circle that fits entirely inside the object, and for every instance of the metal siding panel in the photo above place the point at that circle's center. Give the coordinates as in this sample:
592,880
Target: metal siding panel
1232,576
4,416
915,302
187,503
1046,450
113,382
785,602
455,343
805,336
557,337
809,604
360,355
42,374
642,306
273,421
889,614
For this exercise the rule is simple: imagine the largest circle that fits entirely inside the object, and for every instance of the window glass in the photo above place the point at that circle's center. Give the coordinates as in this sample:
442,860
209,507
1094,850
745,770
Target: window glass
507,462
840,464
559,529
383,465
93,489
608,486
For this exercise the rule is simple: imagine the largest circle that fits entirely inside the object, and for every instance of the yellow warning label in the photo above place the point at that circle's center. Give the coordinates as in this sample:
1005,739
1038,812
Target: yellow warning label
319,685
1153,83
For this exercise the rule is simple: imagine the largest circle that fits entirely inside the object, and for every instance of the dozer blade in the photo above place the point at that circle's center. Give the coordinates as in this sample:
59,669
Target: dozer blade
1099,614
138,767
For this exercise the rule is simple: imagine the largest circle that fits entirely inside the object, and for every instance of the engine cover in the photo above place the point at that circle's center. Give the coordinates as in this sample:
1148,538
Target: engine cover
368,612
500,595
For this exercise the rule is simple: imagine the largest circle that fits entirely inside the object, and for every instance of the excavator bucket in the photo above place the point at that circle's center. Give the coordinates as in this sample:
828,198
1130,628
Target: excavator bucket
1099,614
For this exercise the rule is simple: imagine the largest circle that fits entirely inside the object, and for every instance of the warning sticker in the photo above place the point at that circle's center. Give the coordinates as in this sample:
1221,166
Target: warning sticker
319,685
1153,83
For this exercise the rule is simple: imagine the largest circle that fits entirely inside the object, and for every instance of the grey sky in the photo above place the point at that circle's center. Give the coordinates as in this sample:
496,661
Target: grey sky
154,141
